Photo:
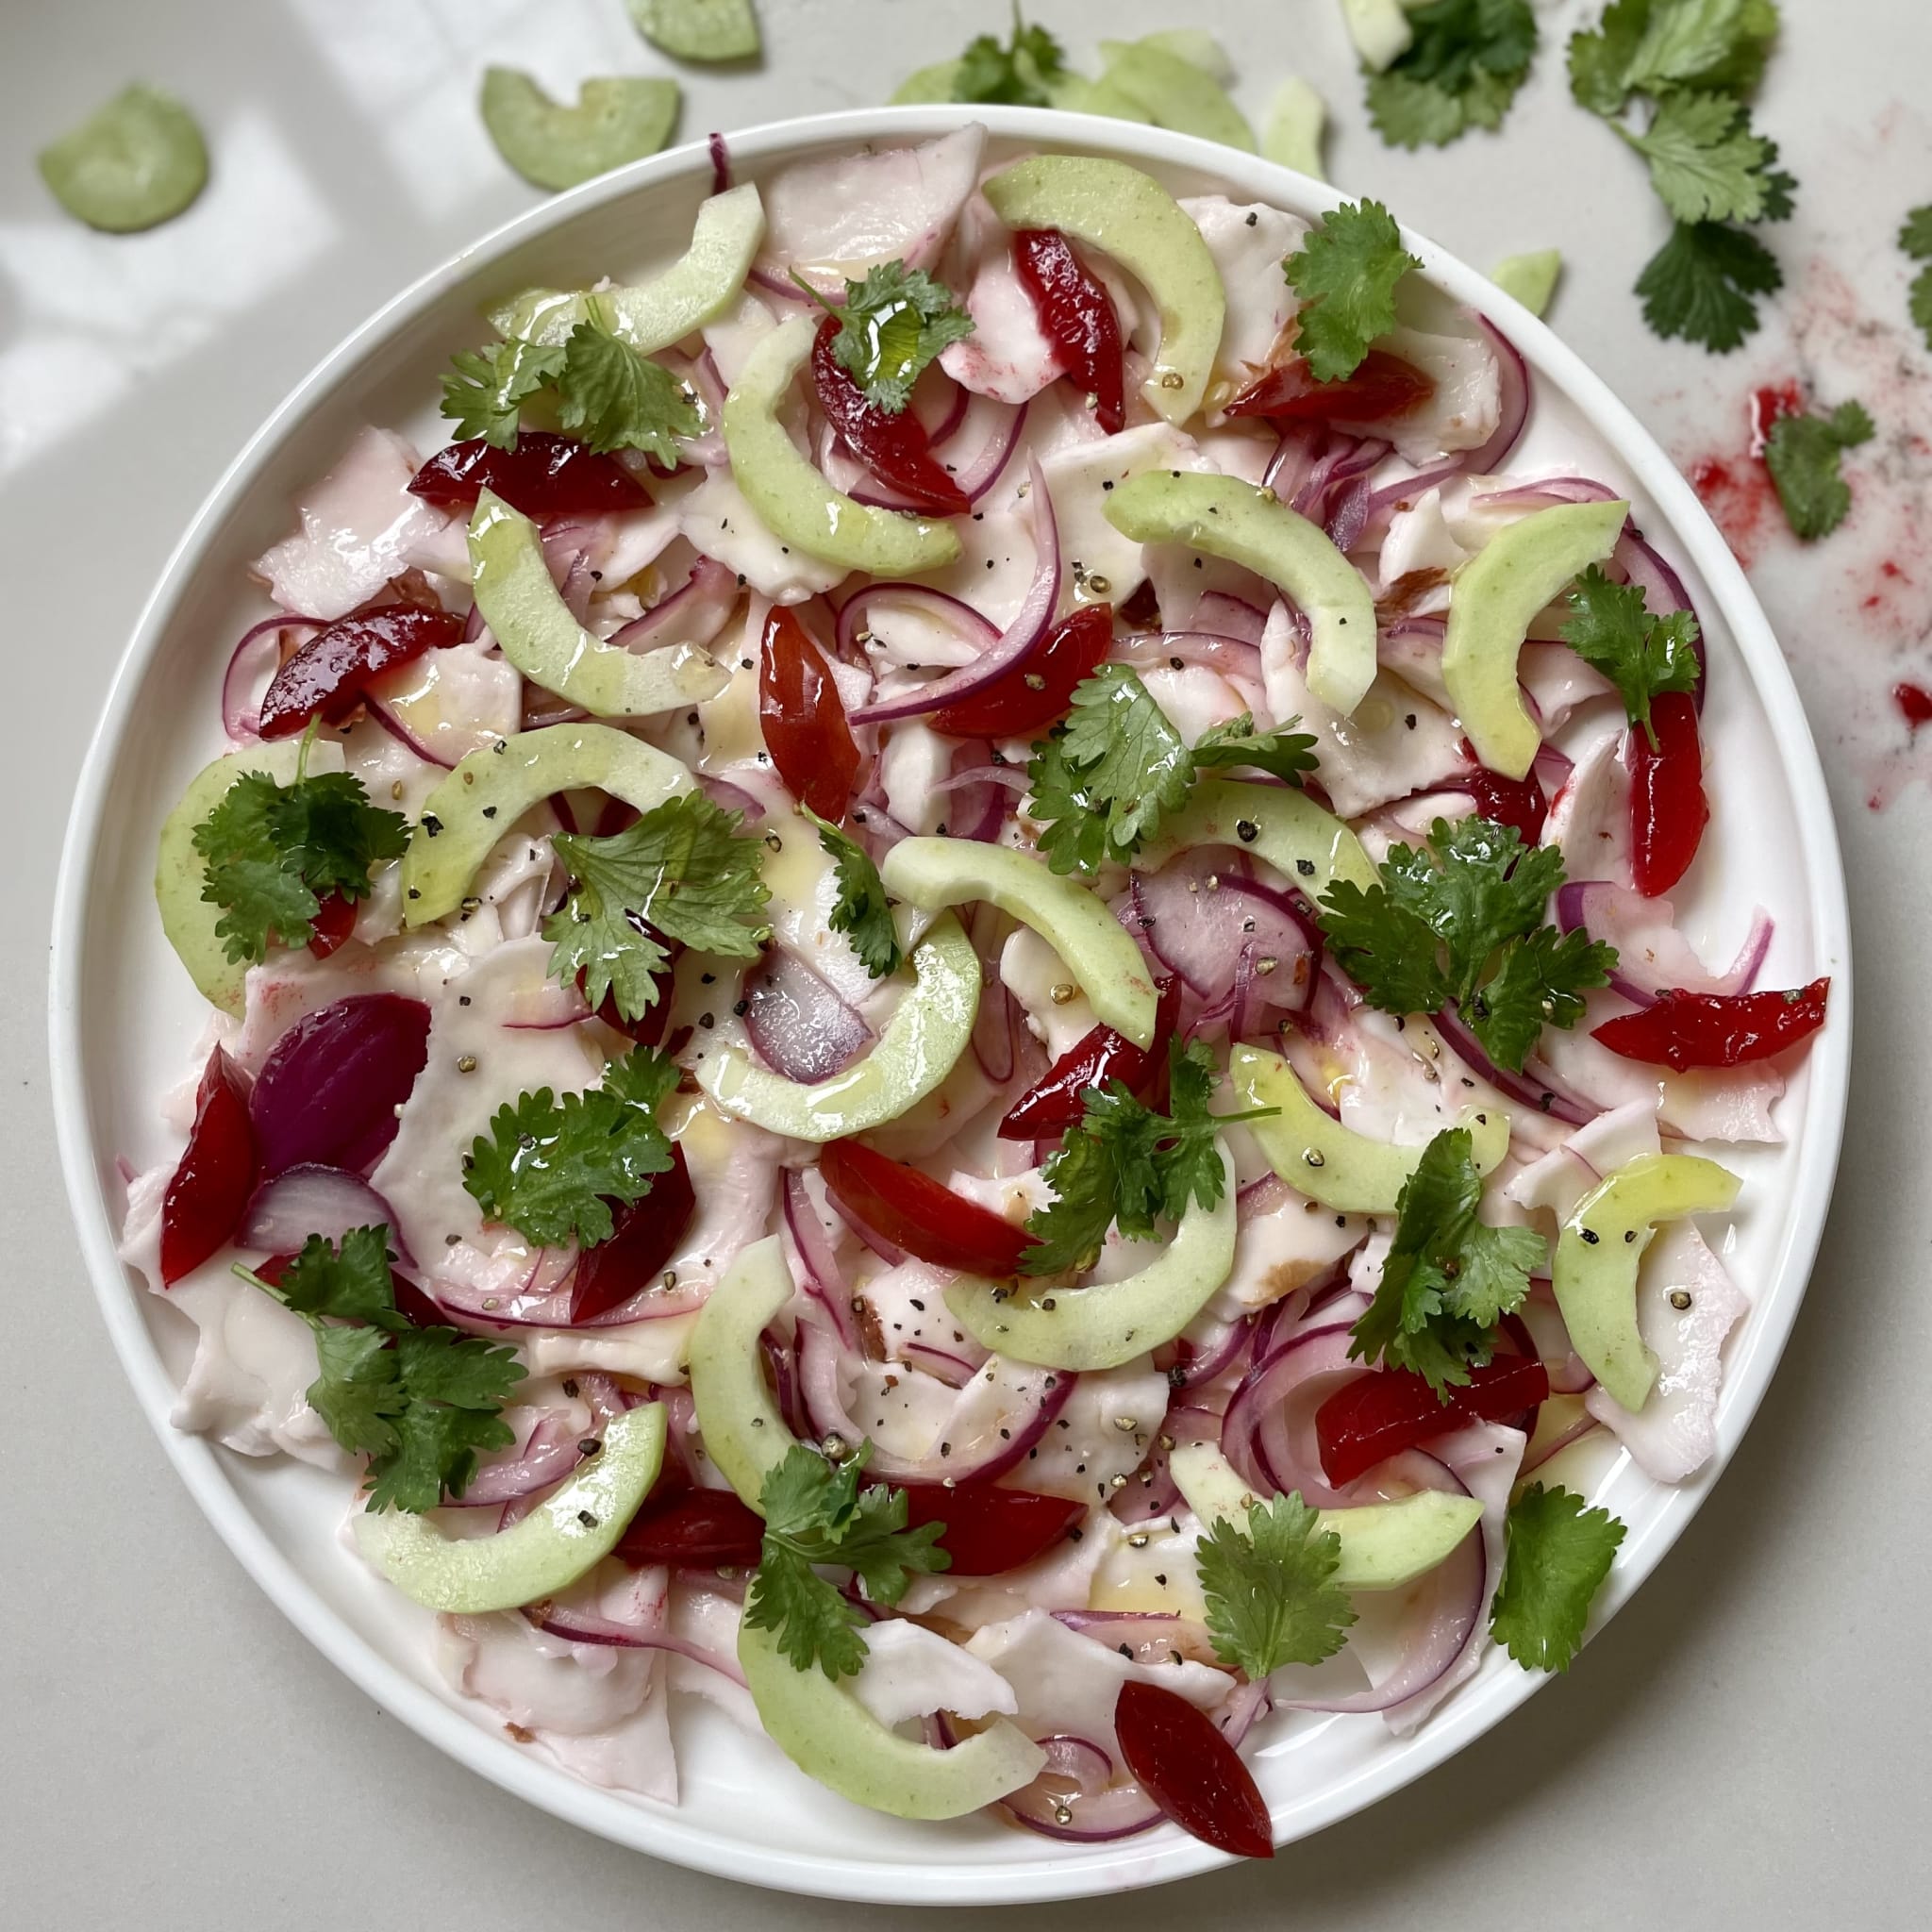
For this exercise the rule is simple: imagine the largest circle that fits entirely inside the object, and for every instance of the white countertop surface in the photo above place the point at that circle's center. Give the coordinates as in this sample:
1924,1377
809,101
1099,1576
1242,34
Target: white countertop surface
1745,1746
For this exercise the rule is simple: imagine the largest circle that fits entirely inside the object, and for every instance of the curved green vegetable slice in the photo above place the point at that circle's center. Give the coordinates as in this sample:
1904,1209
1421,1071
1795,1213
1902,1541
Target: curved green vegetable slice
1491,601
1128,215
133,164
180,873
793,500
1296,118
830,1736
698,29
1310,847
936,872
528,618
562,1538
1073,94
1175,92
1225,517
746,1437
1319,1157
695,290
1113,1321
1531,278
1598,1252
617,118
924,1039
490,791
1379,29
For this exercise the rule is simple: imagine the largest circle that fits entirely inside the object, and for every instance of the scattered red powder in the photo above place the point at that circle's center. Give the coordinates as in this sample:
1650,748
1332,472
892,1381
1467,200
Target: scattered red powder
1736,491
1767,404
1914,703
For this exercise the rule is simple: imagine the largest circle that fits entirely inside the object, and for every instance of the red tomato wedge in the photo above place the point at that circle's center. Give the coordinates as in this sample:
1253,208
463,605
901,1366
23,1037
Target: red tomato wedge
209,1188
1668,812
991,1530
646,1236
1518,802
1686,1030
1191,1771
1390,1409
334,921
328,676
913,1211
1383,385
1051,1104
542,475
894,447
1078,316
804,719
1035,693
692,1529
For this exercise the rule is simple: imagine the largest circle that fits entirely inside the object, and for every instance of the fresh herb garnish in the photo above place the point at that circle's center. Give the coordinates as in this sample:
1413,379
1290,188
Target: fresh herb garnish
862,913
1449,1278
1642,655
1802,454
890,327
1700,283
1345,273
815,1512
484,389
1270,1590
1557,1555
1705,162
1915,238
1460,71
1019,73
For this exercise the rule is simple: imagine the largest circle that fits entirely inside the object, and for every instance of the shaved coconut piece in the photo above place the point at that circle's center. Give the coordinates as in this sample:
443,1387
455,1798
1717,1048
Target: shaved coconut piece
906,1303
440,706
1030,970
618,547
734,335
1418,538
1104,1431
898,634
1590,817
720,524
1557,680
1008,357
1249,242
355,526
1194,699
1239,449
910,1672
1062,1578
288,987
1283,1249
1562,1178
997,559
1079,479
1466,407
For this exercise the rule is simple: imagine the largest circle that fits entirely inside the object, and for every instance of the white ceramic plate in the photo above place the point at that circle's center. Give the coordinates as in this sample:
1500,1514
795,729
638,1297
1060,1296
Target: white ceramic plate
124,1020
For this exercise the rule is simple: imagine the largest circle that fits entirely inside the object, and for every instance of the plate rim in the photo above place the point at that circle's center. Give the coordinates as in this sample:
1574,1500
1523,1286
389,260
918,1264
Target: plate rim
1170,1854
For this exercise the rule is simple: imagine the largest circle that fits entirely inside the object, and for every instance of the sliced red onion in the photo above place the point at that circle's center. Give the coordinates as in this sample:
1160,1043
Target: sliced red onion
1268,1433
981,794
1652,955
729,796
330,1091
1263,1196
814,1261
1223,616
959,618
1070,1800
1203,920
395,726
801,1028
955,1371
1548,1097
721,162
693,613
888,1252
257,651
584,1627
310,1199
553,1451
1663,591
1218,651
995,1024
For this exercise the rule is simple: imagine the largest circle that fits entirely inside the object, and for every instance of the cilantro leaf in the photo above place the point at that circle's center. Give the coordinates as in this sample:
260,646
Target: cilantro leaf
1283,753
484,389
615,398
1919,301
348,1283
1461,70
890,327
1018,74
683,870
1071,1228
1802,454
551,1168
1345,273
1539,981
1655,46
1699,284
357,1390
1915,234
1557,1555
862,913
1448,1279
1642,655
1271,1594
1705,162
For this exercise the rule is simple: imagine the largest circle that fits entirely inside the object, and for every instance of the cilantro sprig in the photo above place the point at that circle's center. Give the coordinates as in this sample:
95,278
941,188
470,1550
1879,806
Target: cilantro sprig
1461,70
1449,1277
1915,239
1270,1590
1017,71
1557,1555
1345,273
551,1168
421,1404
862,911
816,1513
1460,922
1802,454
1642,655
890,328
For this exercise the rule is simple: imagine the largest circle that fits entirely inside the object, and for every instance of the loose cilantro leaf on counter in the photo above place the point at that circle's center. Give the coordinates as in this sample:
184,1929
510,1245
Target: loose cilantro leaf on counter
1270,1589
1655,46
1699,284
1705,162
1915,238
1461,70
484,389
1460,922
1018,74
1345,273
614,398
815,1513
890,327
1802,454
1557,1555
863,913
1642,655
1448,1279
550,1168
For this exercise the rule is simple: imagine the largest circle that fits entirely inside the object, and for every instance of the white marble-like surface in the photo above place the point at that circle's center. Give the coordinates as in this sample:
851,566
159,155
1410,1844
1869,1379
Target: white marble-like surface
1746,1746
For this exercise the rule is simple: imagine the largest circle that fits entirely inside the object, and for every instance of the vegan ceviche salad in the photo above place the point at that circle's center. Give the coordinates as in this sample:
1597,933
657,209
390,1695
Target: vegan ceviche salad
943,1001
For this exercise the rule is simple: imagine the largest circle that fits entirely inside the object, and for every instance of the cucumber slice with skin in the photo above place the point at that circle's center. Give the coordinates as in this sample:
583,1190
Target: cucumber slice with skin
1073,94
1384,1545
698,29
562,1538
1224,517
187,918
746,1437
1598,1252
1530,278
697,288
490,791
528,618
1175,92
1128,215
824,1730
1492,600
924,1039
1319,1157
1379,29
617,118
793,500
933,873
1310,847
927,86
1193,44
133,164
1113,1321
1296,120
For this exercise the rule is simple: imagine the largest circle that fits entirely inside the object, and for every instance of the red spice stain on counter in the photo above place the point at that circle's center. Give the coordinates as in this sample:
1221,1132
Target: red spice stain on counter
1914,704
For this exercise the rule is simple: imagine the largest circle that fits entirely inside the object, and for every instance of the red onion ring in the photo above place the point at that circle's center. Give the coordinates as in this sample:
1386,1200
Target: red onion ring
814,1264
1604,912
553,1451
416,746
1223,616
801,1028
310,1199
1217,651
1548,1097
246,663
693,613
1202,919
959,618
996,1025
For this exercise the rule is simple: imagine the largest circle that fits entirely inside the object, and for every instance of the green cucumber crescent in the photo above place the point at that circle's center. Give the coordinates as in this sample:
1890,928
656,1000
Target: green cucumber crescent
564,1538
1493,599
1318,1157
829,1735
926,1034
698,29
793,500
1310,847
1174,92
1224,517
617,118
1598,1252
1130,216
528,618
490,791
936,872
133,164
744,1435
1113,1321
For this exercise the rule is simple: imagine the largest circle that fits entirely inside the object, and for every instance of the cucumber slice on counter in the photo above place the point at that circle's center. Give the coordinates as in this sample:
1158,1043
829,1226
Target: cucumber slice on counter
1310,847
698,29
745,1436
1531,278
1174,92
1379,29
617,118
927,86
1193,44
1297,118
133,164
1073,94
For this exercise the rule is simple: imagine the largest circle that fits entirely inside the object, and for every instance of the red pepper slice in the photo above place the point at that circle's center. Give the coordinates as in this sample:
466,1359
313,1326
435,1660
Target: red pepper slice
804,719
1051,1104
1518,802
692,1529
1668,813
1037,691
543,475
1390,1409
1685,1031
893,447
915,1212
1382,385
1078,316
328,676
1191,1771
991,1530
646,1236
334,921
210,1187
